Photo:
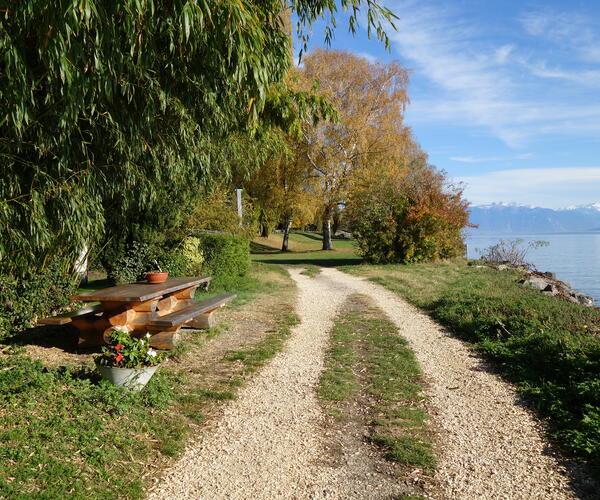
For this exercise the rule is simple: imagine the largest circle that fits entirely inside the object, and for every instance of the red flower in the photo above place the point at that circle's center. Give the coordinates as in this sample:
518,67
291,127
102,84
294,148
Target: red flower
119,358
117,347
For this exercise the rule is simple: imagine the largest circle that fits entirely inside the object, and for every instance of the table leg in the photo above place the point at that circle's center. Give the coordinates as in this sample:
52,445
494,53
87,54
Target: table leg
93,329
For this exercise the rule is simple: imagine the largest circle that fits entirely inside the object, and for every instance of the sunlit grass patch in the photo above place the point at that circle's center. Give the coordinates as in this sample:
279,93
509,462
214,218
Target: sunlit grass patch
369,363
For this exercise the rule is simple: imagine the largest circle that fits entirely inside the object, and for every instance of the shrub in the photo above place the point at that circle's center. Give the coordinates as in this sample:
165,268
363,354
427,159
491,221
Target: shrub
226,257
510,251
139,258
192,253
403,219
39,293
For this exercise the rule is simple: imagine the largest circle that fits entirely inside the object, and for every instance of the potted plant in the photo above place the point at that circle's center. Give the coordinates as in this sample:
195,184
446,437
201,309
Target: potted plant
159,276
128,361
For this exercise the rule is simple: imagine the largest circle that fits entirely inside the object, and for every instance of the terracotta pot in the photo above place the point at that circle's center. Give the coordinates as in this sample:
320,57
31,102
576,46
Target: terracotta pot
132,378
156,277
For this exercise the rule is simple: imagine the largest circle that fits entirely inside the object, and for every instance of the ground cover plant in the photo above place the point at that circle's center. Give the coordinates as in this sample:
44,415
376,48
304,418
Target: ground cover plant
369,363
549,347
67,434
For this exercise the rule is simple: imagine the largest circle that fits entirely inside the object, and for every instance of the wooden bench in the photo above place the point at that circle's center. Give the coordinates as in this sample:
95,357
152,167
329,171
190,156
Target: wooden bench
164,329
67,318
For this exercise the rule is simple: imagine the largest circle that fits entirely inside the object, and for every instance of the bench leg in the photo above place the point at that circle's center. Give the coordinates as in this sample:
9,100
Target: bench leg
164,338
203,321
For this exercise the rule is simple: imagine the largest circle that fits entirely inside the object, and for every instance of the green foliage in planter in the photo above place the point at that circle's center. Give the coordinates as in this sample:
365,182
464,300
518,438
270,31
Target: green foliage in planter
226,258
25,298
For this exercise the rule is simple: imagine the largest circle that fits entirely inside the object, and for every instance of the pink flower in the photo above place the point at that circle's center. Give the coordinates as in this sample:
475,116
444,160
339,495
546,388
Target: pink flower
117,347
119,358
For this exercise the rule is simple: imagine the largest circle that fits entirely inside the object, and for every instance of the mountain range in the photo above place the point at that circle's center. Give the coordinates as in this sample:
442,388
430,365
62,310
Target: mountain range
513,218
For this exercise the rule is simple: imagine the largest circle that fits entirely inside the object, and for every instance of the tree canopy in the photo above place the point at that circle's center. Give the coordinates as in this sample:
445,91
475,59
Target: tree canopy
112,107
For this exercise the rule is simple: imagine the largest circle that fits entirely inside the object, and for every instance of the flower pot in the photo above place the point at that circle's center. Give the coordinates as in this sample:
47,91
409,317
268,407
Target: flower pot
132,378
156,277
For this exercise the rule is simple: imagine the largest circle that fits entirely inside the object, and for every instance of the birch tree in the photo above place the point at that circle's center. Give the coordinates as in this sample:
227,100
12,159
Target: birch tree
370,99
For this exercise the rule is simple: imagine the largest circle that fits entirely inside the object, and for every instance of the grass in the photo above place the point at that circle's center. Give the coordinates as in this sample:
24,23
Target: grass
256,356
310,270
67,434
548,347
305,249
368,362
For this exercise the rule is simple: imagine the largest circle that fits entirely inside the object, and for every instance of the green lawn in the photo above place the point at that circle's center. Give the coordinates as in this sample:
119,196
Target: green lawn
368,365
305,248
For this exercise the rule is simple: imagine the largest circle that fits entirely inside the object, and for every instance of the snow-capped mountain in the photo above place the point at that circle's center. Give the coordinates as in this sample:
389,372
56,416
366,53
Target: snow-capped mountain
513,218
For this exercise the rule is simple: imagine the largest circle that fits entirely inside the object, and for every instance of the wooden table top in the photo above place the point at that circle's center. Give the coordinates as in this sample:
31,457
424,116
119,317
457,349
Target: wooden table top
140,292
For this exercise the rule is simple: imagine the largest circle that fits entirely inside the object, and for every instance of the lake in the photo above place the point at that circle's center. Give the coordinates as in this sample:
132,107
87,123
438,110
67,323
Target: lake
574,257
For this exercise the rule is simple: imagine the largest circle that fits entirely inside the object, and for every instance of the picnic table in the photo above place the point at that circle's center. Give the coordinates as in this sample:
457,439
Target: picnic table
158,309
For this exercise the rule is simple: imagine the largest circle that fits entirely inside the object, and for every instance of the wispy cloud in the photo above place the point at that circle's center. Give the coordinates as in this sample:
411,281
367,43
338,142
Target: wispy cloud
481,83
473,159
548,187
567,29
369,57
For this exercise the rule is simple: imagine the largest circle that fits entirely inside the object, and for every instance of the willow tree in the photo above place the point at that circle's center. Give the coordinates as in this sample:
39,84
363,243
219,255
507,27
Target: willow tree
370,99
109,106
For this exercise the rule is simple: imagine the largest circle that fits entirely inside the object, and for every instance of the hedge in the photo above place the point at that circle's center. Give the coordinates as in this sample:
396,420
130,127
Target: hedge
226,258
34,295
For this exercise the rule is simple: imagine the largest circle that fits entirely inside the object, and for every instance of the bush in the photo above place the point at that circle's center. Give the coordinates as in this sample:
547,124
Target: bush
510,251
397,219
36,294
139,258
192,253
226,258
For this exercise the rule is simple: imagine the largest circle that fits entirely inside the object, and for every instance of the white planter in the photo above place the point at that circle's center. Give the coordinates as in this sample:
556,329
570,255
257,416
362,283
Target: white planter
132,378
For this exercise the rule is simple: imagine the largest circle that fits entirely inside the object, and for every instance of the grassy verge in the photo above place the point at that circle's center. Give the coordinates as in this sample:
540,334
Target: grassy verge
550,348
257,355
66,434
369,362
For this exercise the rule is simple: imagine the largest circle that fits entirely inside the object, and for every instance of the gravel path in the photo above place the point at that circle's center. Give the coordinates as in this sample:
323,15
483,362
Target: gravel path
270,442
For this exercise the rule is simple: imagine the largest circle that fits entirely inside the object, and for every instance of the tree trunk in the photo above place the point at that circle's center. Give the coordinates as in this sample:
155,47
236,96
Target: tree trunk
336,223
286,234
327,243
264,228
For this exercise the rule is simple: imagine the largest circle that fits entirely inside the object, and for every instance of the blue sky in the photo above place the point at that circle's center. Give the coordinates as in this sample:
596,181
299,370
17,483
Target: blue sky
505,95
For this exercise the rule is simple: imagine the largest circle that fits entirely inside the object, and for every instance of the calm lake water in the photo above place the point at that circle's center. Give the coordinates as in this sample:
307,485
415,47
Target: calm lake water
574,257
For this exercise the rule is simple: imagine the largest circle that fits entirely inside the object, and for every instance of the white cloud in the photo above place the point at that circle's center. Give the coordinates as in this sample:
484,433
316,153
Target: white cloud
369,57
547,187
503,52
483,85
472,159
567,29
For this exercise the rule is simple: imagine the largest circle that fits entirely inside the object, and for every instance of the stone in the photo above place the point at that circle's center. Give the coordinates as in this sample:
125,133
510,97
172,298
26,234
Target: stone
552,276
581,298
536,282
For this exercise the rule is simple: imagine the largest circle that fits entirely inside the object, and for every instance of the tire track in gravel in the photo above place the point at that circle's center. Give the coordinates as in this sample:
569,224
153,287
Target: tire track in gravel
492,445
271,442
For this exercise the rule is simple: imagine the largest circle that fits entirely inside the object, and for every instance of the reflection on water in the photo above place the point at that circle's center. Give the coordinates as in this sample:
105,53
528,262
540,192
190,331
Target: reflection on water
574,257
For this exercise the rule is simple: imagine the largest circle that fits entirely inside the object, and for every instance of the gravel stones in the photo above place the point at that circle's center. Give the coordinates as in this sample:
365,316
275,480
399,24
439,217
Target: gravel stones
271,441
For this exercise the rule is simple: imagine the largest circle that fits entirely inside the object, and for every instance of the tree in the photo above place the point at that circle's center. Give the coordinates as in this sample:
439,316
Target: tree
110,107
370,99
280,184
406,213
